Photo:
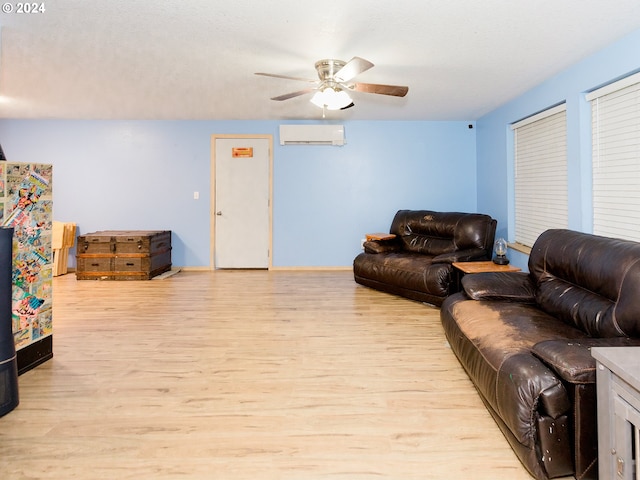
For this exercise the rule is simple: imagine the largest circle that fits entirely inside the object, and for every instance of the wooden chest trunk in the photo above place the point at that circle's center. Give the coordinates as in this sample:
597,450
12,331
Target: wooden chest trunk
123,254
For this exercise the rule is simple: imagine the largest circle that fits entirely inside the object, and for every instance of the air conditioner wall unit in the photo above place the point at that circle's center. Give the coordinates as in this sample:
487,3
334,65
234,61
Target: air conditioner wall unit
312,135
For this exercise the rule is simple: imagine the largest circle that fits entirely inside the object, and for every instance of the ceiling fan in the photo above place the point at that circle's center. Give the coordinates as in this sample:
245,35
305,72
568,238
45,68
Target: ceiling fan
335,80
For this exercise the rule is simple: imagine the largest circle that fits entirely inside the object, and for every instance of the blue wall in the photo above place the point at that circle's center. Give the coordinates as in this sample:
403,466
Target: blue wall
119,175
495,138
142,174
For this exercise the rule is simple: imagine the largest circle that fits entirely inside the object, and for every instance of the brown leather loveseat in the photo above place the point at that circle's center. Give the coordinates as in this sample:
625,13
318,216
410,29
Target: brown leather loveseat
524,339
417,263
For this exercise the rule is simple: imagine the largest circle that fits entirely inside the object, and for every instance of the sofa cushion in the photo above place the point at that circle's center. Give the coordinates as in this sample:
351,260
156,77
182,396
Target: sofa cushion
407,270
436,233
588,281
500,329
381,246
497,286
466,255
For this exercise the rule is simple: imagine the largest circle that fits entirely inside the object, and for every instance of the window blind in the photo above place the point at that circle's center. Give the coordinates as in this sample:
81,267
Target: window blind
615,117
541,198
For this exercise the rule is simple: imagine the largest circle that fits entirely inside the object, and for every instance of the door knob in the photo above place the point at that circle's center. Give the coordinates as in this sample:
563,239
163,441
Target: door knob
219,213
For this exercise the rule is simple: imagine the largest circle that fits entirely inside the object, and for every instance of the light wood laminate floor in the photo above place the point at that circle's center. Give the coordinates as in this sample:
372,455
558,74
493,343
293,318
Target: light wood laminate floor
248,375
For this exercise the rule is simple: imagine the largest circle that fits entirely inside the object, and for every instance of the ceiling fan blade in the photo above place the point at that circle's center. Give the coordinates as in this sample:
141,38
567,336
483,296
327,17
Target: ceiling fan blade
393,90
348,106
287,96
286,77
353,67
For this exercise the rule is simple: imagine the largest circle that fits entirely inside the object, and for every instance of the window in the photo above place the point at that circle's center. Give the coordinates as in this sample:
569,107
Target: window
615,122
541,198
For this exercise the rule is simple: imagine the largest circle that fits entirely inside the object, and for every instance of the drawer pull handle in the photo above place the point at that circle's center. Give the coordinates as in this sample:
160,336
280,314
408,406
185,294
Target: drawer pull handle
95,264
129,264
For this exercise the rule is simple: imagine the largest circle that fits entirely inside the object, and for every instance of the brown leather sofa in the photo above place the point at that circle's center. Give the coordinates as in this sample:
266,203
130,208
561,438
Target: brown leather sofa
524,339
417,263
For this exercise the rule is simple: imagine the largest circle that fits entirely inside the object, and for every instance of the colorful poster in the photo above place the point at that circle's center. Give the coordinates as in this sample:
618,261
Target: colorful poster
26,205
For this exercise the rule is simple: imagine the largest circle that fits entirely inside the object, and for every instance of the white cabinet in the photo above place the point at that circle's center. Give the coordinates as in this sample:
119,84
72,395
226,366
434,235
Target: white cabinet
618,394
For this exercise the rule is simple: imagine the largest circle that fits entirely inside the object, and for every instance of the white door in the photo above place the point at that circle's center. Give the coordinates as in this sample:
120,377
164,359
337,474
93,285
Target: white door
242,212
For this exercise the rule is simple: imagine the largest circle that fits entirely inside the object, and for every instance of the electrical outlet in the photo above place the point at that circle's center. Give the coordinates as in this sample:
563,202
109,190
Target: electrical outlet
196,195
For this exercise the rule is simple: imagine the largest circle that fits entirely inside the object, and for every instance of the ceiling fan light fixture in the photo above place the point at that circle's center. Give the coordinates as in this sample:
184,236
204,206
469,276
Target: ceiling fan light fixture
335,81
331,98
318,99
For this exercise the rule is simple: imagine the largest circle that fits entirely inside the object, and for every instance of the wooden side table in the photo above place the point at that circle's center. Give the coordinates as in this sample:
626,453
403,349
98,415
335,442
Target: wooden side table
380,236
480,267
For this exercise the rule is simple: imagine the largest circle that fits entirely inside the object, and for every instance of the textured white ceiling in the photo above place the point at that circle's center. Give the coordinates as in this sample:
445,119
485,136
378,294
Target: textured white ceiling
195,59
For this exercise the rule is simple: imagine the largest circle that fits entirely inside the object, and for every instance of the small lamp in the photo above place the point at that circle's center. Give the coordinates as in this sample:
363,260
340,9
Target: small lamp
2,157
500,247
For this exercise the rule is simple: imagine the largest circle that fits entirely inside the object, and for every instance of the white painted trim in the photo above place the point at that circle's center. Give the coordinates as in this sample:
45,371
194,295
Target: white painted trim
311,268
614,87
539,116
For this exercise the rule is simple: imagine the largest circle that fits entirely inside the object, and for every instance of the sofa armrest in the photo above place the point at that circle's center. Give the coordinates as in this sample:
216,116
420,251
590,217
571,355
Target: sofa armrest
572,360
461,256
536,408
382,246
525,384
501,286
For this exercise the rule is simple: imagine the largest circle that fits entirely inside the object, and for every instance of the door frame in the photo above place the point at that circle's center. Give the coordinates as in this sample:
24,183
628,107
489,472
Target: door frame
212,220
